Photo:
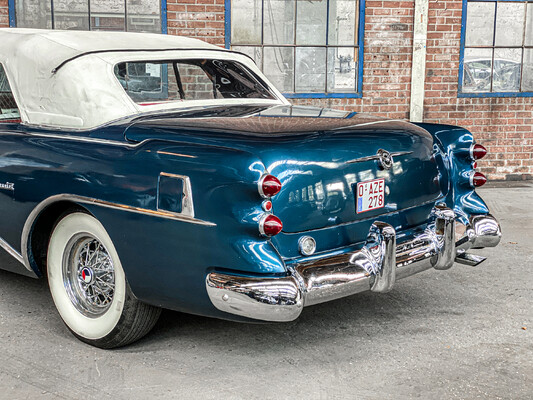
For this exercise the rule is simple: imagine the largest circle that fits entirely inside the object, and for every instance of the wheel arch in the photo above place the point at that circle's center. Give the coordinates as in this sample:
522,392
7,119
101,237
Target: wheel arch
39,226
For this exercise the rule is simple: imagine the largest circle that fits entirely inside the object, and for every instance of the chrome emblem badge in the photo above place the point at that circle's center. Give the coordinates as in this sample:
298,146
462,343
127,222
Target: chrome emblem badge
7,186
385,159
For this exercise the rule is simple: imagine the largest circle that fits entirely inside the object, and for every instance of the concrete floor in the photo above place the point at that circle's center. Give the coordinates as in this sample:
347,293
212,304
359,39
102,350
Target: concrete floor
466,333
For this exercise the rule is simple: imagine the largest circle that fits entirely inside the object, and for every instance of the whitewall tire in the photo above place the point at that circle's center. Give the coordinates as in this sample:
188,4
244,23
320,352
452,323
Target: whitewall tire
89,287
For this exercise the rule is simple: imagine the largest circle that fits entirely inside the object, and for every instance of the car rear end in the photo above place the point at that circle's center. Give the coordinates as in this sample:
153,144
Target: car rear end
356,208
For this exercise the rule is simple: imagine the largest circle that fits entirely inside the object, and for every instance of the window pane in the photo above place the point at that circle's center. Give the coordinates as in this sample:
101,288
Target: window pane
527,77
342,69
310,69
196,84
246,21
477,70
143,16
33,14
480,24
311,22
529,25
255,52
279,22
149,82
8,107
510,24
279,67
342,22
507,67
73,15
107,16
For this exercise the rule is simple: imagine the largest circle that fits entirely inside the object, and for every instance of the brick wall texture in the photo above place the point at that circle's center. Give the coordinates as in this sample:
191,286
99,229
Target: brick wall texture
503,125
4,14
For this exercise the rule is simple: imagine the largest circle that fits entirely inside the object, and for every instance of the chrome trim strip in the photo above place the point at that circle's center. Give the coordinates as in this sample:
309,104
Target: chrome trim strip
79,139
28,225
187,201
377,157
16,255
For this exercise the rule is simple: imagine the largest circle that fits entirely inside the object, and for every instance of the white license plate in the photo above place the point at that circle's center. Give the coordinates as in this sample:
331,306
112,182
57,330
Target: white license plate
370,195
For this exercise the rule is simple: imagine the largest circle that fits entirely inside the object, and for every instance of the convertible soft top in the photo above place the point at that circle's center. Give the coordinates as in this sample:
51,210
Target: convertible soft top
65,78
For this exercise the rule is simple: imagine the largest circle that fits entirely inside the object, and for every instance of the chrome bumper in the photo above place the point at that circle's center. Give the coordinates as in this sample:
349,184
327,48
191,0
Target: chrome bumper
375,267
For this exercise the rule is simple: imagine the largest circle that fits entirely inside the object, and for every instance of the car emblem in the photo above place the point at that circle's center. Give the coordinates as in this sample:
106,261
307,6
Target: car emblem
86,275
385,159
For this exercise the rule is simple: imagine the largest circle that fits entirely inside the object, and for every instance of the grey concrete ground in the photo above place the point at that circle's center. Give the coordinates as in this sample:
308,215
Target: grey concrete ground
466,333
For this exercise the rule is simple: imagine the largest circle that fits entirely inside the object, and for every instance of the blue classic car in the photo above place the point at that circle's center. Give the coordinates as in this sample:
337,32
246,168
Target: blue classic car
140,172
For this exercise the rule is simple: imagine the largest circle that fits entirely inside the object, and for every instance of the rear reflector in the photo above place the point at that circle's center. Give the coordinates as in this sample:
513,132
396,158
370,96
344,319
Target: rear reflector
478,151
478,179
270,225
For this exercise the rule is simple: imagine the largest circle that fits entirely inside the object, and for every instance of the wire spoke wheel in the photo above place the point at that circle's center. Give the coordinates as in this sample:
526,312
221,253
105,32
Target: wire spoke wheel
88,275
89,286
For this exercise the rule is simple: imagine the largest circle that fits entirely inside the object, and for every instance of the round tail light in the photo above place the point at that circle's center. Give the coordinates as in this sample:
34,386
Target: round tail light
478,179
269,186
270,225
478,151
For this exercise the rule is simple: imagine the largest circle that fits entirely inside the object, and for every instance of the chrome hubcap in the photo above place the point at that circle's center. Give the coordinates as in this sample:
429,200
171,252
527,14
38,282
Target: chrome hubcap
88,275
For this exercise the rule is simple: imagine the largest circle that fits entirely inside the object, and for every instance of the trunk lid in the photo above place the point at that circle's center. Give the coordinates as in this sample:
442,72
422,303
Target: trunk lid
319,156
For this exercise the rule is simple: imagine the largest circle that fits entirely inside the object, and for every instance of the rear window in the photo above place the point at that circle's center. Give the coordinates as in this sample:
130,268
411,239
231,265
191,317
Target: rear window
9,111
153,82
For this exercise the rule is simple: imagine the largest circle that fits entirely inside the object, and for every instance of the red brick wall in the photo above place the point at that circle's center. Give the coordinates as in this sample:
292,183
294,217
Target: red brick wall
202,19
4,14
503,125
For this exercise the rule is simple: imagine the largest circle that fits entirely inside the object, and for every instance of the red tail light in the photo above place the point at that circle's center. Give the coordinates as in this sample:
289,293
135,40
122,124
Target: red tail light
270,225
269,186
478,179
478,151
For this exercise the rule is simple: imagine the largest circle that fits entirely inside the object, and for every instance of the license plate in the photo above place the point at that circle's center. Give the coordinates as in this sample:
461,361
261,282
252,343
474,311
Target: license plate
370,195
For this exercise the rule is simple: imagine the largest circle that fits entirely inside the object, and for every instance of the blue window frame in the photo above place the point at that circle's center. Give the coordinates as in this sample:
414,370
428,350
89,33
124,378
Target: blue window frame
89,15
306,49
496,58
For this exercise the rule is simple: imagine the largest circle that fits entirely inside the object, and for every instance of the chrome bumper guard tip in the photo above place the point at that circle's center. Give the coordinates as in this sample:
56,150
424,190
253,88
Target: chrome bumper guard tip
376,267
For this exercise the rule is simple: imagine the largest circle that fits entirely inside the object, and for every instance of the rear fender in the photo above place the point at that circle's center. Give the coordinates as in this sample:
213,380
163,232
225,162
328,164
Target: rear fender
455,143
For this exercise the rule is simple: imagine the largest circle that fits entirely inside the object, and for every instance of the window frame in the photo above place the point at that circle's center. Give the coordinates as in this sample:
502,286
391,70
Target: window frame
460,92
317,95
164,27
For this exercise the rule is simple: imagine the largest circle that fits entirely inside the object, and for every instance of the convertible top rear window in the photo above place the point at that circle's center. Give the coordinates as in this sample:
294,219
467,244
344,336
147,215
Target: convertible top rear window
9,111
152,82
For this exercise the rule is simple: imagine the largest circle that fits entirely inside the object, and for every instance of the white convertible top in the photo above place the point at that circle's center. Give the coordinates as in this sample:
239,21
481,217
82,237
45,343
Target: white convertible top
66,79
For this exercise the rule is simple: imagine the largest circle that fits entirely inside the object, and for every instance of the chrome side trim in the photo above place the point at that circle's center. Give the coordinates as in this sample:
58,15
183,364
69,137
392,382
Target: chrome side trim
28,225
187,201
79,139
16,255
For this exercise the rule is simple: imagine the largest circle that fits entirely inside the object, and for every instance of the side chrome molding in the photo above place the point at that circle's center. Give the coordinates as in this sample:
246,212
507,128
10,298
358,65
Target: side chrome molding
16,255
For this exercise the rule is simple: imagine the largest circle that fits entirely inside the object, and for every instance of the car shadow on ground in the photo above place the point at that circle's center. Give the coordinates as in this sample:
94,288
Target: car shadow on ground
366,316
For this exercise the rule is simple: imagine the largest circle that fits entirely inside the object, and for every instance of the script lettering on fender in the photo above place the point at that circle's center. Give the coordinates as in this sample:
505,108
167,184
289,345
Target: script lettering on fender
7,186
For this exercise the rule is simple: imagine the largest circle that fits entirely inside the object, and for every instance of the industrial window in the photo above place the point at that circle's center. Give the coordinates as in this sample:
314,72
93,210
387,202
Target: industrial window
497,49
9,111
306,48
104,15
